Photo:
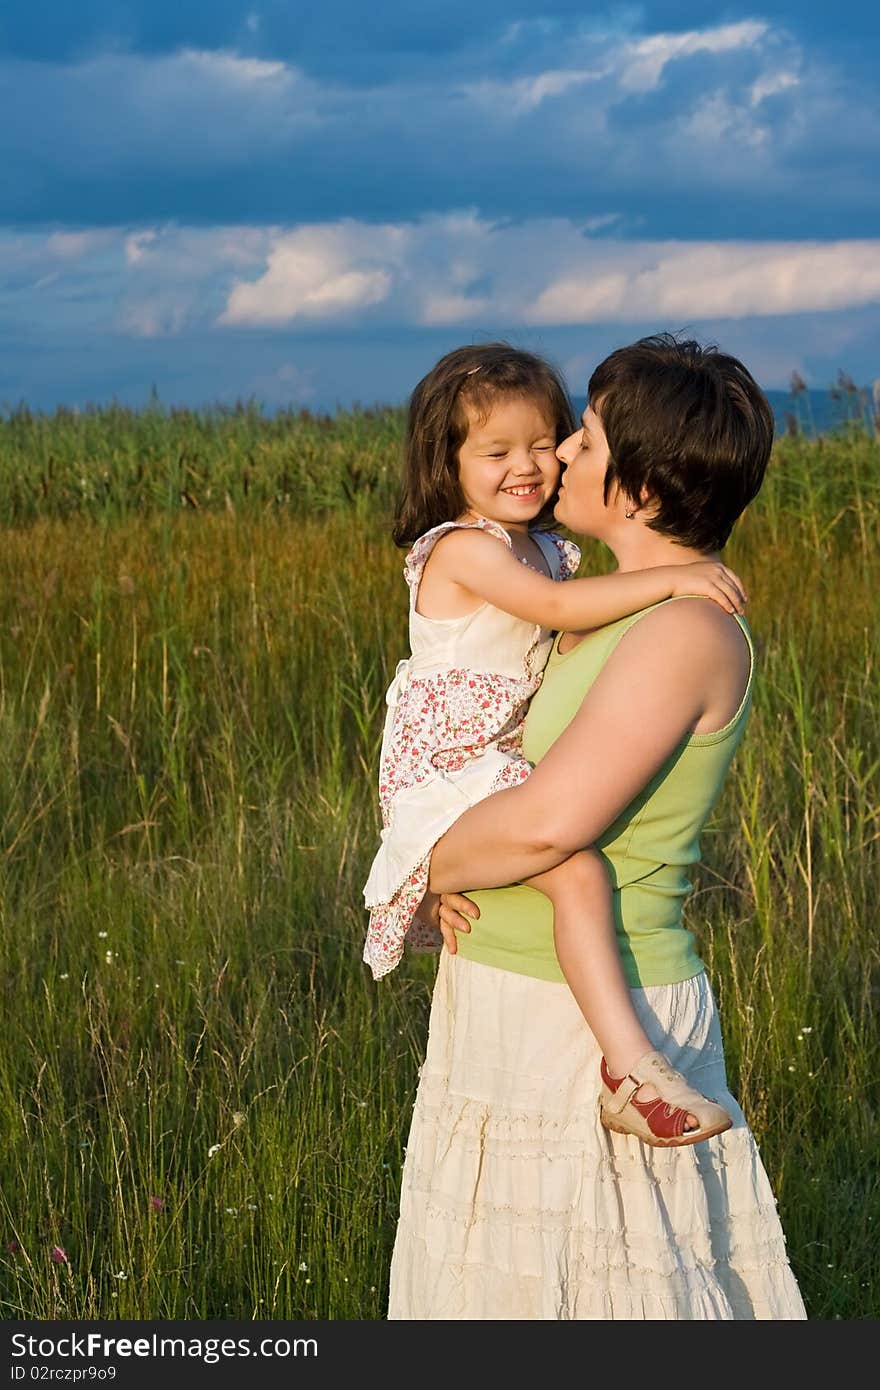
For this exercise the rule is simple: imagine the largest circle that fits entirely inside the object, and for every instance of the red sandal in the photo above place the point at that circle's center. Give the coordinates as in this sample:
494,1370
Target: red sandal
660,1122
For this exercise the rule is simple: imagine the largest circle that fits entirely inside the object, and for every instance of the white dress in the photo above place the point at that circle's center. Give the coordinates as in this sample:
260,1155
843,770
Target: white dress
517,1205
452,737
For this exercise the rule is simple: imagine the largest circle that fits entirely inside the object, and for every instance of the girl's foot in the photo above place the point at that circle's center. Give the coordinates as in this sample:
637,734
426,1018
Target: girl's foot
655,1102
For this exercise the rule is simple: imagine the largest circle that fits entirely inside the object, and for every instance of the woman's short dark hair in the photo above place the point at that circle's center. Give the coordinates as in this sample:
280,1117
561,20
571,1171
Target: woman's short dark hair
477,376
688,425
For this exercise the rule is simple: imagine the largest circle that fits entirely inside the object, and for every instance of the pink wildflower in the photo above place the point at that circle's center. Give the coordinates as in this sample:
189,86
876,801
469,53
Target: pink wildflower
13,1247
58,1255
156,1203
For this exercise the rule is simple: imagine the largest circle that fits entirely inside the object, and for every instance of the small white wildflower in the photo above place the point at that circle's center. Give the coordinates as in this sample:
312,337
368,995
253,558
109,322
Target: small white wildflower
251,1206
791,1069
231,1211
303,1266
214,1149
372,1288
102,935
238,1117
806,1030
65,976
120,1275
308,1281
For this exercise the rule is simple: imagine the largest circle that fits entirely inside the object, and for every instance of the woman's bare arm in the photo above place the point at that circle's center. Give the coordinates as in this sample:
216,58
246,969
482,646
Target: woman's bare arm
651,692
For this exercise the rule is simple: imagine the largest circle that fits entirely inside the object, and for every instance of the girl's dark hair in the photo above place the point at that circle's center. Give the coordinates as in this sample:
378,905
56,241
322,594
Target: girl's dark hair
690,426
437,427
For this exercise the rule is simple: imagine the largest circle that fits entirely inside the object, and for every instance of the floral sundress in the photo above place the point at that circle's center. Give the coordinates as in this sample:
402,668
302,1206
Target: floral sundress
452,736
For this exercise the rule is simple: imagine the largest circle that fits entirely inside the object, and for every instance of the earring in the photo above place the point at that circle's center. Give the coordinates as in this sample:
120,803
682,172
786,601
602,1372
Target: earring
629,515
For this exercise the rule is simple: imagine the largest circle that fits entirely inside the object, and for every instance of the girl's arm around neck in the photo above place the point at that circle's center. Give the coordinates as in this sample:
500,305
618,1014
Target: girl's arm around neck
480,564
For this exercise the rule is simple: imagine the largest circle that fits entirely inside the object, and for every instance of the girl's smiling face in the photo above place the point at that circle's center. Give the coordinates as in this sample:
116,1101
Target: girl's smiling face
507,465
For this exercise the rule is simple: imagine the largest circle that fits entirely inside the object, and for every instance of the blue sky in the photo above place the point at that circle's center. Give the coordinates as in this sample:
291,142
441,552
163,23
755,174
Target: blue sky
310,205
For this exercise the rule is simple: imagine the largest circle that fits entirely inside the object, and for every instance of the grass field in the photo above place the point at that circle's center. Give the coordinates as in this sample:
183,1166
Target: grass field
204,1095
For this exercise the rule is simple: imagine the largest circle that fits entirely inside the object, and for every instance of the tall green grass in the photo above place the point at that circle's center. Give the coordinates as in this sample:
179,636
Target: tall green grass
111,462
204,1095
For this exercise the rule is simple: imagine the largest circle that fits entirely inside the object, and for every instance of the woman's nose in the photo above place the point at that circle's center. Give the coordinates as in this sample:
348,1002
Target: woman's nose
566,451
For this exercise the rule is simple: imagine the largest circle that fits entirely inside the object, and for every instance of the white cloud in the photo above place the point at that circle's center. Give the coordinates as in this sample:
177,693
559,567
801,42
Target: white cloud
118,112
137,245
717,122
449,270
602,222
643,62
192,252
526,94
543,115
771,84
698,280
317,272
465,270
227,65
438,309
72,246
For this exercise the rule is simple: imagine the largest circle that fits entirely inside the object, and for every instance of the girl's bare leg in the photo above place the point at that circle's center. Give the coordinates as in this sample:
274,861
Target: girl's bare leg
586,945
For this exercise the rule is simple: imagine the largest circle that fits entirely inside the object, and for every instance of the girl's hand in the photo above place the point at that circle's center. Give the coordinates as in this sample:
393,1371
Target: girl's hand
455,909
711,579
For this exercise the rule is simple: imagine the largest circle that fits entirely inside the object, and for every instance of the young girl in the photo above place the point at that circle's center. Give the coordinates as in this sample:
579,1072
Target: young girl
487,588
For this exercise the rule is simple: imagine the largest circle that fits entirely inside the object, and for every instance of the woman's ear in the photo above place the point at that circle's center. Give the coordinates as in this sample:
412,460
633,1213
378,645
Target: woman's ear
647,502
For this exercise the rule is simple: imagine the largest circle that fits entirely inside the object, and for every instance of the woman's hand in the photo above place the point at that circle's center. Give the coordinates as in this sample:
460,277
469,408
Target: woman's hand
711,579
455,909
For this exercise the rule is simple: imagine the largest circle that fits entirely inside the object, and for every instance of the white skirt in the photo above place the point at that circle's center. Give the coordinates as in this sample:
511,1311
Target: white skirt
516,1203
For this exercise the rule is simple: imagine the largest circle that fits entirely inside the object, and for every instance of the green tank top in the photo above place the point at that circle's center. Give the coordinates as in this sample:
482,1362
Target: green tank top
647,851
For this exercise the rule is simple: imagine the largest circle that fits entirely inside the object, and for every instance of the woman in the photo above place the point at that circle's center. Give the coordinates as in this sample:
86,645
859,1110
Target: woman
516,1202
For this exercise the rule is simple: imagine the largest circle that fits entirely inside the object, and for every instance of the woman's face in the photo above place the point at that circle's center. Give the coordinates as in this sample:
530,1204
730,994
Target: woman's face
581,506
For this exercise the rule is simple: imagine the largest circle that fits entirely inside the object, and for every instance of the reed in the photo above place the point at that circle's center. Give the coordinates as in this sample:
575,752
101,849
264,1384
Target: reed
205,1097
